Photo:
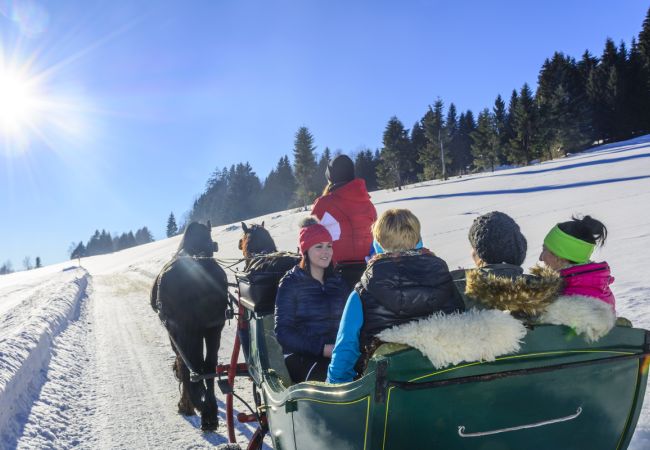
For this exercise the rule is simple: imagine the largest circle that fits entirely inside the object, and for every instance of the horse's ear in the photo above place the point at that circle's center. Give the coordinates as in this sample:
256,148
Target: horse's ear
209,225
244,227
262,224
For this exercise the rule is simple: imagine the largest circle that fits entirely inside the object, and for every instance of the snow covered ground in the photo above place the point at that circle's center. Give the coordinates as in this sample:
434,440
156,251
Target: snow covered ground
85,363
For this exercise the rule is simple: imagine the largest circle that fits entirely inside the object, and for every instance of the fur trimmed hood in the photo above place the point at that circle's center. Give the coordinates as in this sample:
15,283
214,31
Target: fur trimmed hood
475,335
587,316
510,290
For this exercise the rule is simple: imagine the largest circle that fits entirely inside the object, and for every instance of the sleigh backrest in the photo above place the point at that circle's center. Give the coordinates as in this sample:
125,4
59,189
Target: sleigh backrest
259,285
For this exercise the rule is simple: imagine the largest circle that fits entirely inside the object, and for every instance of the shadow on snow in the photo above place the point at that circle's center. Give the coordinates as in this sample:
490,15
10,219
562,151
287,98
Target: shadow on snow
552,187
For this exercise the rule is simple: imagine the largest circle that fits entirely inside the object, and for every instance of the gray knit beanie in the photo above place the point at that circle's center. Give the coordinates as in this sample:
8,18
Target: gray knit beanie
496,238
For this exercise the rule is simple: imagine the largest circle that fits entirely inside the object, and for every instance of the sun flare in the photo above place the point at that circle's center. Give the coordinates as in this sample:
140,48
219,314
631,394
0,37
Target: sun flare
35,111
19,102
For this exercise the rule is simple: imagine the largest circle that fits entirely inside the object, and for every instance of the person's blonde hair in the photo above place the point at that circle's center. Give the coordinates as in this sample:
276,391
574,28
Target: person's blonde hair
397,230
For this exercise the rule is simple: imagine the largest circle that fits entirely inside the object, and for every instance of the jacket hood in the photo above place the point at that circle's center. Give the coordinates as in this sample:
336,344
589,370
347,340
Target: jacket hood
354,191
505,287
378,250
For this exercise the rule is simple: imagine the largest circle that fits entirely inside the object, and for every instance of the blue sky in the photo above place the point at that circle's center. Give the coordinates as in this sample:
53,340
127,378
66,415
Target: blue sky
150,97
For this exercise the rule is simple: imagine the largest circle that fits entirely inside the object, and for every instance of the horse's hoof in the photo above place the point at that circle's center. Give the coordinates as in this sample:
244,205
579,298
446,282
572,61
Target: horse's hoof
209,424
186,408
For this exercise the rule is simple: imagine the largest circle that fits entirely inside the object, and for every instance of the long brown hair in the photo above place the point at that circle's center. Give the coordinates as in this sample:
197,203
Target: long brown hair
331,187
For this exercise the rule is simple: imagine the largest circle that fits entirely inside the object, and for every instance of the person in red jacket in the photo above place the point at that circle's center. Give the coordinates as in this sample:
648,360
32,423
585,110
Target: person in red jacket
346,211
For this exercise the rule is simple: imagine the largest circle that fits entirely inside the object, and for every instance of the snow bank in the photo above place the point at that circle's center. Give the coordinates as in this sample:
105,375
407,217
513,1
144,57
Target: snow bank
26,335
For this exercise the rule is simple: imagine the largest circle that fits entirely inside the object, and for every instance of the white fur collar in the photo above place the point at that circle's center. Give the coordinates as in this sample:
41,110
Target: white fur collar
475,335
588,316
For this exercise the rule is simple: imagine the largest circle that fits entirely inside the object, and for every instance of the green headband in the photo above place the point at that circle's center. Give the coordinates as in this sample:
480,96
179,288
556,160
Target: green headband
568,247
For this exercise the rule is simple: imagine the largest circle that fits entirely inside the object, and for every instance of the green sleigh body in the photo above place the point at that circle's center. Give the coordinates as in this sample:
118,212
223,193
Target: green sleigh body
557,392
567,394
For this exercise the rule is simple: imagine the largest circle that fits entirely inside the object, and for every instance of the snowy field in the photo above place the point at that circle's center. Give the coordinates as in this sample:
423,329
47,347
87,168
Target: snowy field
85,363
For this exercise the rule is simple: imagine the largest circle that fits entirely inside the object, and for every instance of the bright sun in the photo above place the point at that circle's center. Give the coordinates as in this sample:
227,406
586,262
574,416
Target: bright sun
19,102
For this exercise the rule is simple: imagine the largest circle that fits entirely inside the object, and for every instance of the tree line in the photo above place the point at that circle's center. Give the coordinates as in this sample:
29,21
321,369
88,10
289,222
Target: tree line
102,242
577,103
7,267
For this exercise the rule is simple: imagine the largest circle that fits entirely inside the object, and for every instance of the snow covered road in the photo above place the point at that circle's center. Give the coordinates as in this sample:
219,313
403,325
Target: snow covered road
109,382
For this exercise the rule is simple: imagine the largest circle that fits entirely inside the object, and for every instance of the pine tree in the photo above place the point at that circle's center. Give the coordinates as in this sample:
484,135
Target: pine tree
637,98
320,180
304,167
563,120
644,39
485,146
586,67
79,251
6,268
279,187
172,228
525,117
418,146
105,243
500,123
463,156
120,242
143,236
603,91
392,169
243,195
510,124
130,240
452,140
94,246
644,57
432,157
211,205
365,166
38,262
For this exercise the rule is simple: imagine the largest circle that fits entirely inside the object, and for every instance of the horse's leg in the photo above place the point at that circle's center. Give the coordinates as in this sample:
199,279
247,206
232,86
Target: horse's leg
181,372
212,338
191,342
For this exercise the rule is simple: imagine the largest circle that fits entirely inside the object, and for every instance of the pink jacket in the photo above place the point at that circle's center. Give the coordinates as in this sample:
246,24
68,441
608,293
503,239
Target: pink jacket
590,280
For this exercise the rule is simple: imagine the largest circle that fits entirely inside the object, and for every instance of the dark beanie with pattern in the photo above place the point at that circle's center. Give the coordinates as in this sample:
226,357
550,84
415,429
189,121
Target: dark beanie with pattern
496,238
340,170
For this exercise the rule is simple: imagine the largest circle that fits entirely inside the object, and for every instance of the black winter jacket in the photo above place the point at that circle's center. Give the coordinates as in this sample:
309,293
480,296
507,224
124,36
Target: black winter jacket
399,287
307,313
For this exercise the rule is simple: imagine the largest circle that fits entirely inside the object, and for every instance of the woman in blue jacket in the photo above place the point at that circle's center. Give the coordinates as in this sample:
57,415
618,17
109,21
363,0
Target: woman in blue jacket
309,305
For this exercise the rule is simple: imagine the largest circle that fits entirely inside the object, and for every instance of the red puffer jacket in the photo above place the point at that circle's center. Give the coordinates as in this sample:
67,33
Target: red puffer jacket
348,213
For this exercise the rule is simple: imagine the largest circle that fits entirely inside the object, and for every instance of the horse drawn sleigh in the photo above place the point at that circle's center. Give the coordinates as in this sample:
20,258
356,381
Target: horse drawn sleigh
558,391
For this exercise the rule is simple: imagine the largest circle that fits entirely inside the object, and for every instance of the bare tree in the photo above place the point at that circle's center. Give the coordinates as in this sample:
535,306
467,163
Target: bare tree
27,263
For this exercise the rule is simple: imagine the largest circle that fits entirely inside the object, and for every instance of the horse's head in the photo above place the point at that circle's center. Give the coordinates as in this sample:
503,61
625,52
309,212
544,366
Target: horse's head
256,239
197,240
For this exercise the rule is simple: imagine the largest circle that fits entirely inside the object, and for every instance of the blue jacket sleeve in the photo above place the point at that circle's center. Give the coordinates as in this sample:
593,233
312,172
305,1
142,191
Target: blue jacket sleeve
287,329
346,349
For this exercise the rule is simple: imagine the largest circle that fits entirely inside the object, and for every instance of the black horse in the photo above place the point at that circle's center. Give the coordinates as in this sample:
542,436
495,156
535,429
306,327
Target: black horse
190,295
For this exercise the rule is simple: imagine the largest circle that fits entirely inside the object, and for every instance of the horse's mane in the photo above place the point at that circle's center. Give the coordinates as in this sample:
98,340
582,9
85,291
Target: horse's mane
256,240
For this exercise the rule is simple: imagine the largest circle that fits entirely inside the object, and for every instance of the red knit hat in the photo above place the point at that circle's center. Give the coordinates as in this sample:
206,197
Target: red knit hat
312,235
